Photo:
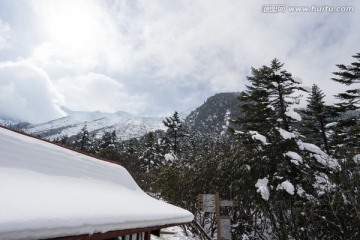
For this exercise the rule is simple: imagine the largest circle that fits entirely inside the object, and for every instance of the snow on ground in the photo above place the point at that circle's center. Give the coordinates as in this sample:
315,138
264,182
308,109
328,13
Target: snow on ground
173,233
49,191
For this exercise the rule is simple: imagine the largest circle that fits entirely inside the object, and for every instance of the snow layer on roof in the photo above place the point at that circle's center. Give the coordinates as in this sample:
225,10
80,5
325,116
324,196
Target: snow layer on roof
49,191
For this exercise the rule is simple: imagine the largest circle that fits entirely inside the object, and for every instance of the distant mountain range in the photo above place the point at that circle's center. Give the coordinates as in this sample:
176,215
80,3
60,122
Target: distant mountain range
207,120
125,124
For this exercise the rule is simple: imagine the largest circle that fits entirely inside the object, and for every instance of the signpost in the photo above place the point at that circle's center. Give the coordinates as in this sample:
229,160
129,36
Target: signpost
211,203
218,222
225,229
226,203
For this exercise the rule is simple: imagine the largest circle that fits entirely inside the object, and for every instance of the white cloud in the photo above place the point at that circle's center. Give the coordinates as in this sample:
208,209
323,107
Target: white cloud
175,53
4,34
226,82
27,93
93,91
57,60
177,41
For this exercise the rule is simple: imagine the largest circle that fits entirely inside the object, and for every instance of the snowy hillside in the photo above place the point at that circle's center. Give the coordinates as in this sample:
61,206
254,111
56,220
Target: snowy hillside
209,119
6,120
125,124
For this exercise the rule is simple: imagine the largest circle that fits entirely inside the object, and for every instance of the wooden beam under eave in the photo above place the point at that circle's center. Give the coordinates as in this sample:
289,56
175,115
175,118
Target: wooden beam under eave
148,236
117,233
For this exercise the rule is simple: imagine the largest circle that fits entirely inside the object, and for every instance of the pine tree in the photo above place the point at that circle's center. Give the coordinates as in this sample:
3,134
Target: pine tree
175,131
284,92
267,101
316,117
348,127
349,75
107,146
282,168
132,146
255,104
83,140
63,140
346,138
108,140
151,156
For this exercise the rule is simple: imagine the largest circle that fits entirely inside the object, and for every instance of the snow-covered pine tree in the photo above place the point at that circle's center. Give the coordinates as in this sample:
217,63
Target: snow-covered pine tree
348,127
82,140
255,104
108,140
346,138
131,147
350,75
151,156
284,171
62,140
315,119
175,131
108,146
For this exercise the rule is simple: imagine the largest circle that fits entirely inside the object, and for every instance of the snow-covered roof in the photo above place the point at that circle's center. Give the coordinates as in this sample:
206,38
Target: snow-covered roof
48,191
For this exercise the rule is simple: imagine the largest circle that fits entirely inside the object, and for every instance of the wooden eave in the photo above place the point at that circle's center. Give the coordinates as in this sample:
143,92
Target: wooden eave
116,233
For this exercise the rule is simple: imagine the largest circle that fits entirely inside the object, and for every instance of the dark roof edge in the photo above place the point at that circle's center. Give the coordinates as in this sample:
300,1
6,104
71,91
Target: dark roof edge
116,233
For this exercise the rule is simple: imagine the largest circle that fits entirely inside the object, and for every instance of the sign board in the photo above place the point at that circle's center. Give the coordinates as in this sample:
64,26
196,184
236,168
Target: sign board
211,203
225,228
207,202
226,203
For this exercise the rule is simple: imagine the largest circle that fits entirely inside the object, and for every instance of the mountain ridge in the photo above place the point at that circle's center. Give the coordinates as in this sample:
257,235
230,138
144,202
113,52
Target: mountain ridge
207,120
125,125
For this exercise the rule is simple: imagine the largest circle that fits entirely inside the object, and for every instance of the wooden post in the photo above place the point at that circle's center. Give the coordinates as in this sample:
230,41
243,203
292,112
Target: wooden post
147,235
218,219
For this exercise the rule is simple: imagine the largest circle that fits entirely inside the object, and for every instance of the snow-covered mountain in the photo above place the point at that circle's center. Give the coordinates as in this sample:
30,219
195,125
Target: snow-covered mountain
207,120
125,124
6,120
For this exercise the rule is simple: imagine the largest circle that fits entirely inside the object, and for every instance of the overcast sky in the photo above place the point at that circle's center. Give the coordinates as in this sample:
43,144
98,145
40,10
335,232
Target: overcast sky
153,57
